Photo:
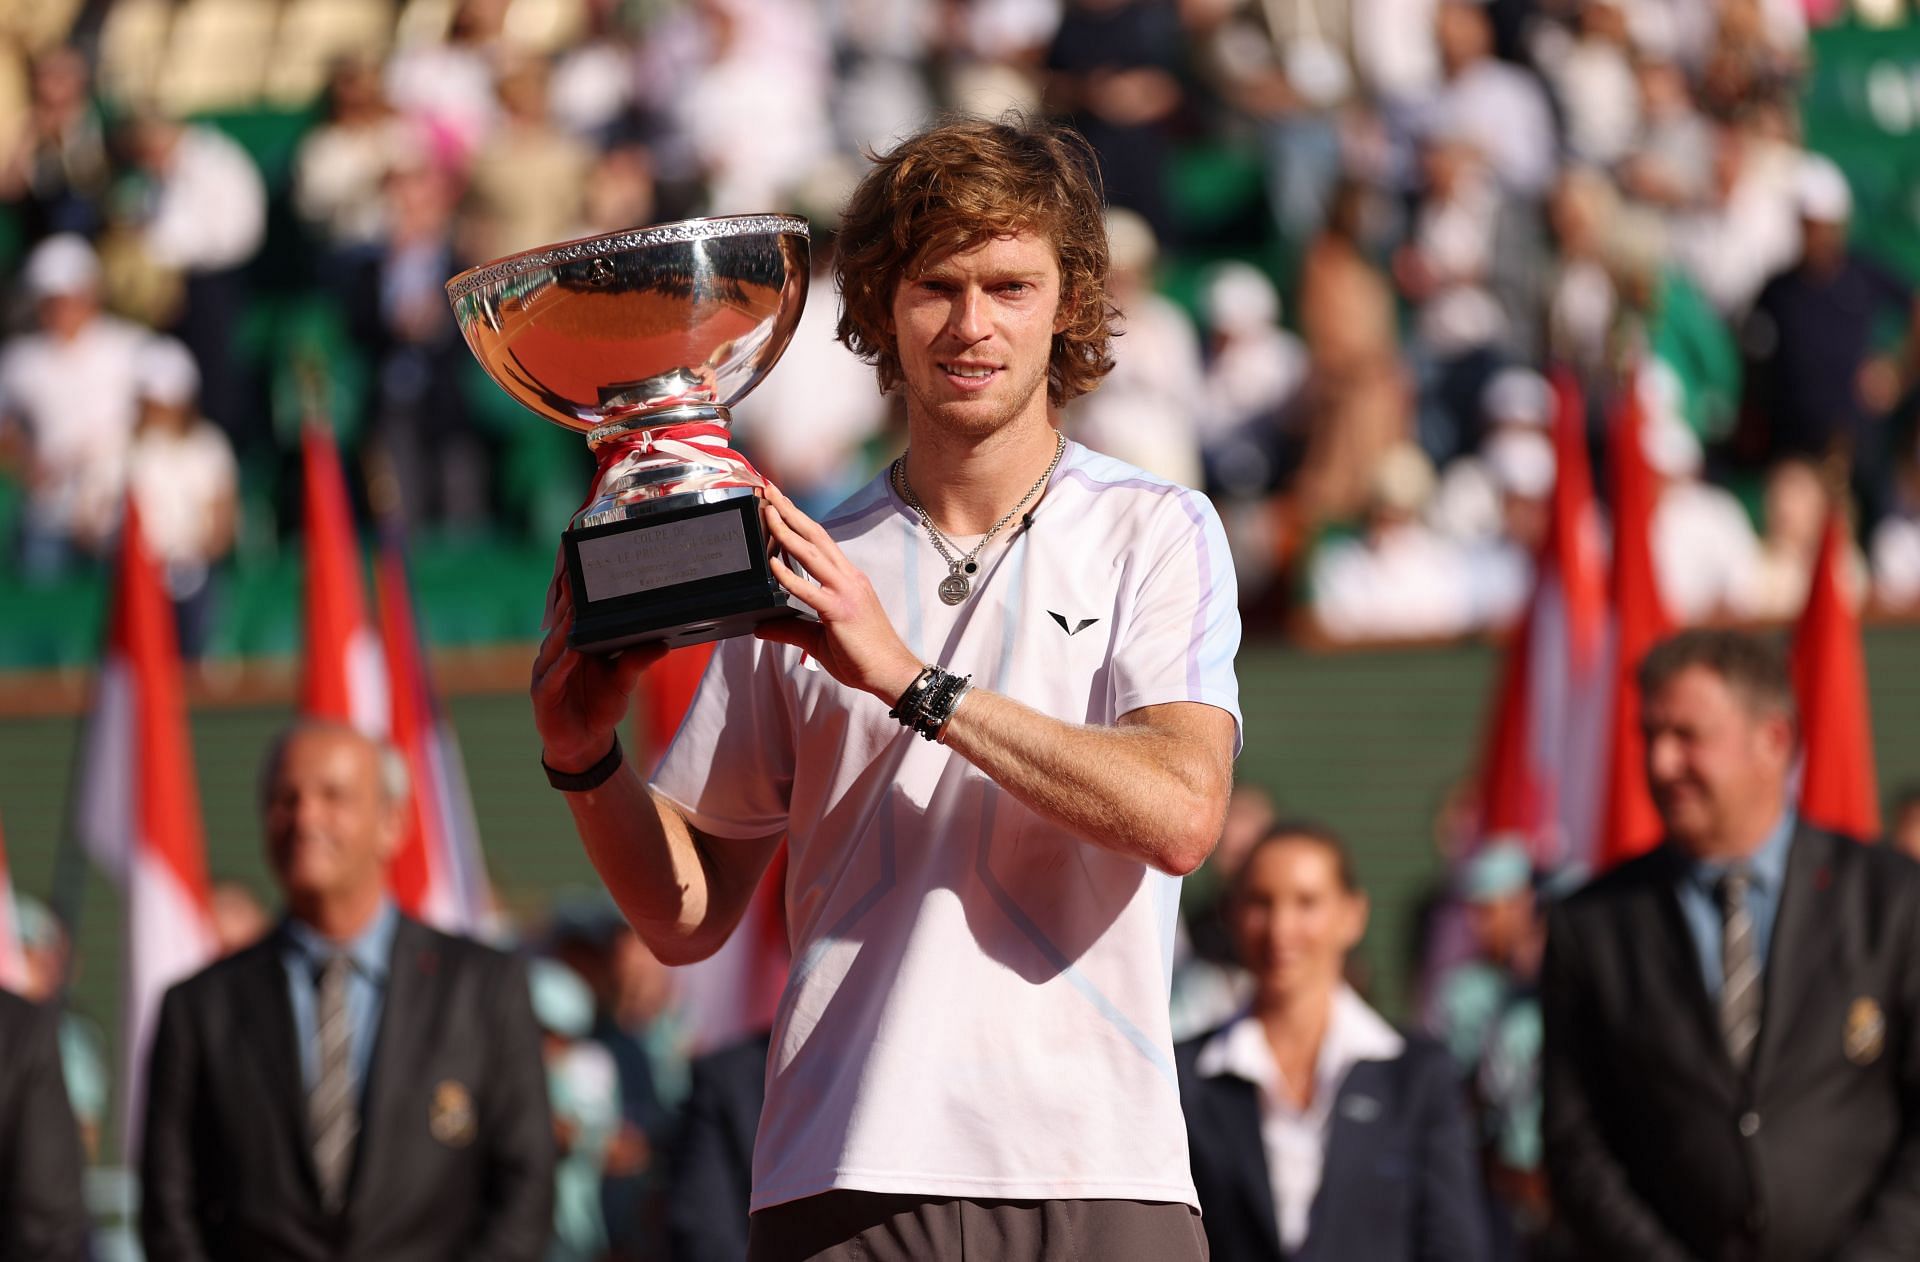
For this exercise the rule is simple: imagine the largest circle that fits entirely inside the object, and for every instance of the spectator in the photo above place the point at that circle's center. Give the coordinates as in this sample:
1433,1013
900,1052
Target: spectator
1592,76
710,1175
1487,1012
43,1213
183,479
631,994
205,218
526,186
399,312
1254,370
1705,553
58,169
1115,72
1493,105
51,970
1315,1128
343,164
1811,339
1399,579
1467,504
356,1085
1795,517
1686,1116
1357,401
1148,410
1670,164
1745,230
447,86
69,444
584,1089
1286,67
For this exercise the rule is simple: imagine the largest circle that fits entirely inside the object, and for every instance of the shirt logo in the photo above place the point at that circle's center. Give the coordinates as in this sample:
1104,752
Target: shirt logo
1076,628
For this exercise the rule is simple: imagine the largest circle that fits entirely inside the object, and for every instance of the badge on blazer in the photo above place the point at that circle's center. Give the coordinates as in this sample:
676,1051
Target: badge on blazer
450,1114
1866,1033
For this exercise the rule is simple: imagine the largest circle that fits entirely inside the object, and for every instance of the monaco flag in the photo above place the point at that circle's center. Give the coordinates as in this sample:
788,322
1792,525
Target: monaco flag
1837,790
13,959
437,875
1540,778
1640,621
342,676
139,811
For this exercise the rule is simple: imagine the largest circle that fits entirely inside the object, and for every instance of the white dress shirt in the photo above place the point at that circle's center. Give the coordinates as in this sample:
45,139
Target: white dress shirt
1295,1140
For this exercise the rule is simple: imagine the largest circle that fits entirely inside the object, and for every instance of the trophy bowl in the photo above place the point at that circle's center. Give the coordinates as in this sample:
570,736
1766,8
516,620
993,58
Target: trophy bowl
642,341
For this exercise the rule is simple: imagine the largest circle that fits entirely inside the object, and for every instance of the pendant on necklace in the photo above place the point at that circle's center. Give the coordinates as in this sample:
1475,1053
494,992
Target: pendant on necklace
954,587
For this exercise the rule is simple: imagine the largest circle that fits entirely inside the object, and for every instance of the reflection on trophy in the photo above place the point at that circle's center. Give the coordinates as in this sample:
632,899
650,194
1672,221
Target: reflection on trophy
643,340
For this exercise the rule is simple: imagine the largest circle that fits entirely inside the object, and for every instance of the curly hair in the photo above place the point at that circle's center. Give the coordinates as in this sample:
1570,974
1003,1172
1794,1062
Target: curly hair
955,186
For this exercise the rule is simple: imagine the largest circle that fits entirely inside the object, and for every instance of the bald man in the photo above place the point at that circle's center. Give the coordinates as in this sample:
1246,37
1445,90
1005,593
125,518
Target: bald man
355,1085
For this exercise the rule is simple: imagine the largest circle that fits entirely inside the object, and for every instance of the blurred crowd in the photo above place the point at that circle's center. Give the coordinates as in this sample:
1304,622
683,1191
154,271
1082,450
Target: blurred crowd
227,218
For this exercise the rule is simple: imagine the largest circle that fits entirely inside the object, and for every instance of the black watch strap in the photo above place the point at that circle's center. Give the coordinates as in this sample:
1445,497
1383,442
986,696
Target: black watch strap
593,777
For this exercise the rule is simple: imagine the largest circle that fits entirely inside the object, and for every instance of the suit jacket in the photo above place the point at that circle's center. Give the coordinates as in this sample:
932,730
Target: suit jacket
710,1180
1399,1180
43,1215
1658,1149
456,1149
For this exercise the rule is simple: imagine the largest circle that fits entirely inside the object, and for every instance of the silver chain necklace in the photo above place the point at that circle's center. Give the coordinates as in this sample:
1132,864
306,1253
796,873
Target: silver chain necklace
957,586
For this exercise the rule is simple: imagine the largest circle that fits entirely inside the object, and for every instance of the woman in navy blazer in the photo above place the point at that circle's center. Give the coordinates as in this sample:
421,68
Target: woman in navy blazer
1318,1132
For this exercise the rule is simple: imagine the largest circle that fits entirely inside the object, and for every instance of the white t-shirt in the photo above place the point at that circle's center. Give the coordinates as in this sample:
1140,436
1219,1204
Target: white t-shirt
978,1004
78,403
180,482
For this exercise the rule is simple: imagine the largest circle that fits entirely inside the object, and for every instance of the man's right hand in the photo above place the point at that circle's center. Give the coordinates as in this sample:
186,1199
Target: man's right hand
580,698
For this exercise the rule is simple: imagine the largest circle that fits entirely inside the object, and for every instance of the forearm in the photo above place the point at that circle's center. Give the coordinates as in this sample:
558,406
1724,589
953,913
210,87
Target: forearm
1137,789
658,868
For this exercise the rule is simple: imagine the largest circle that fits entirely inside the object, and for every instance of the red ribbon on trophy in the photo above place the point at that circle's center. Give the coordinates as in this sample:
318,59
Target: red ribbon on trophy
709,445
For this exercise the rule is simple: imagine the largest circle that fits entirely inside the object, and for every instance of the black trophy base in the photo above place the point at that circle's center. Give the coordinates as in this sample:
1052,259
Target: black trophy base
685,576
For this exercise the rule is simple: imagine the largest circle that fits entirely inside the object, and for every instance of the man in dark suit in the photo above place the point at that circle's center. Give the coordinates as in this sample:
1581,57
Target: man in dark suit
356,1085
43,1217
1733,1019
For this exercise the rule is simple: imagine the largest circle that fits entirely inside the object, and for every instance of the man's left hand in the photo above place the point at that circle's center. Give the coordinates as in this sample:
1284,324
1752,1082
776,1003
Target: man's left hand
854,640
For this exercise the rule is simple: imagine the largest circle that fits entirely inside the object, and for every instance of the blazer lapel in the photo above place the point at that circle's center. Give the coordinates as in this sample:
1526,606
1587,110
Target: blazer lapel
1353,1142
409,1011
1677,956
1804,937
1234,1106
271,1013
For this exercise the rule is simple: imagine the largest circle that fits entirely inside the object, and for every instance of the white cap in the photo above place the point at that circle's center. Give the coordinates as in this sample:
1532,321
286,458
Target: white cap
1131,246
164,372
1522,463
1518,396
64,264
1821,192
1239,298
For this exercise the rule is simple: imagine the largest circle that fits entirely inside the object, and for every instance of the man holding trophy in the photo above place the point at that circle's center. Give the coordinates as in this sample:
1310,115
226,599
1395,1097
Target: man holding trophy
998,731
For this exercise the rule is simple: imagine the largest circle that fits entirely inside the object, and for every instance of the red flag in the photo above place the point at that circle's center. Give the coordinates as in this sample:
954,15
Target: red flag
13,958
342,676
1837,787
1631,825
1540,778
437,874
140,809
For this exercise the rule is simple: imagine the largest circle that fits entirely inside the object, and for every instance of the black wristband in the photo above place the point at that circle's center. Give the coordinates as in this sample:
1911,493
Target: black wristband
592,778
907,709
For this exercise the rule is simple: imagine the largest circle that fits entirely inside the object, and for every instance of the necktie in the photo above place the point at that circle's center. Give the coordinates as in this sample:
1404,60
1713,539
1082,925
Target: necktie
1740,969
333,1115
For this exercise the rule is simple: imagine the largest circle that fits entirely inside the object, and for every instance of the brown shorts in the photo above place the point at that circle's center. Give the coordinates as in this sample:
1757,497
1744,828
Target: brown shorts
871,1227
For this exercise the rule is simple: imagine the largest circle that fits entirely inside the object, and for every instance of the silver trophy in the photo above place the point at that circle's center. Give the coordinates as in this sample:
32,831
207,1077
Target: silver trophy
642,341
